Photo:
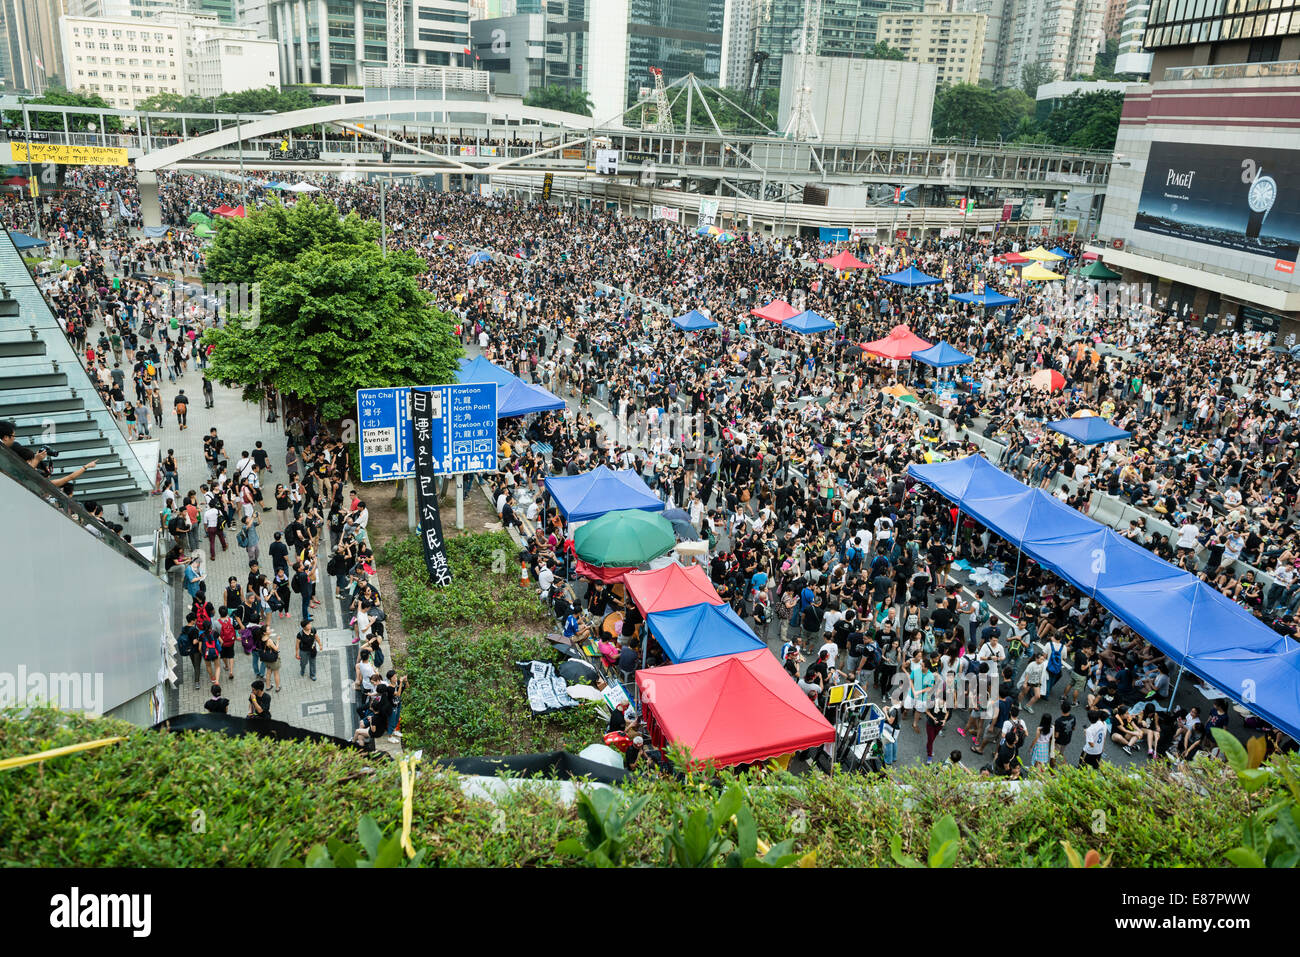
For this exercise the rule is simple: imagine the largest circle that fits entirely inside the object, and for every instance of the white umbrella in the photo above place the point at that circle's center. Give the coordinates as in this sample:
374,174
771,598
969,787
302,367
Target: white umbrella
304,188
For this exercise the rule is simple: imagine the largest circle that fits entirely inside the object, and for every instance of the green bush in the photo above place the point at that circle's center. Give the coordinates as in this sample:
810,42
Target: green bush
133,804
485,587
466,696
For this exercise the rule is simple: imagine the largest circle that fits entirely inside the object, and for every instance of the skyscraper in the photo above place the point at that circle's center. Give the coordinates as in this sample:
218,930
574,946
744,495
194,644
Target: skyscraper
1061,35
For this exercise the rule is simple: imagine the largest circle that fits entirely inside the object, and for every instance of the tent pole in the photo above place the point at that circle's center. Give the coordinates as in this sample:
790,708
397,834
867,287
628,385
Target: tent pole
1015,581
1174,693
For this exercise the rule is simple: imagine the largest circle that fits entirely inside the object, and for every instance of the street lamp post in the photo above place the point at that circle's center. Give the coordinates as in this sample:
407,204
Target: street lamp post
243,183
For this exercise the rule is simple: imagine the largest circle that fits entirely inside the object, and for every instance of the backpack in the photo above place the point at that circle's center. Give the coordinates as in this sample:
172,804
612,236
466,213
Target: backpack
293,584
982,612
1054,659
242,538
211,647
227,633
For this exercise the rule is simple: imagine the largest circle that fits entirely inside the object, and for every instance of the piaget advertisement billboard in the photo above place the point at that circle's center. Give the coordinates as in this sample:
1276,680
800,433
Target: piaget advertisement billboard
1236,197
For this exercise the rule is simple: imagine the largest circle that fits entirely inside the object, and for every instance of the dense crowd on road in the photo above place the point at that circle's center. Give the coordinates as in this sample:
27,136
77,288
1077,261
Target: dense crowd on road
784,451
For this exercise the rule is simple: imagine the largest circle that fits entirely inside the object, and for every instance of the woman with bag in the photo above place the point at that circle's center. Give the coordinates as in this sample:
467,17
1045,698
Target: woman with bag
1044,749
270,654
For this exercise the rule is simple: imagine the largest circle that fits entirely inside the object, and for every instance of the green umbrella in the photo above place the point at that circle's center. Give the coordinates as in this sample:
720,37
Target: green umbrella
624,539
203,231
203,218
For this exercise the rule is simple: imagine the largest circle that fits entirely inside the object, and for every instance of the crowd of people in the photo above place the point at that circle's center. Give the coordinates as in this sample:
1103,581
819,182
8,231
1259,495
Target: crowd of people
783,450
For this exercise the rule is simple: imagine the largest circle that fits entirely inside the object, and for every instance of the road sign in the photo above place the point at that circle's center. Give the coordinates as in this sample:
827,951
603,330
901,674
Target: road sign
384,434
463,419
463,423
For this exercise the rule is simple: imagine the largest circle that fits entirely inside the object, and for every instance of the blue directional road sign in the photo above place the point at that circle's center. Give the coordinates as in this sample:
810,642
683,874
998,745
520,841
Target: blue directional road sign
464,423
384,434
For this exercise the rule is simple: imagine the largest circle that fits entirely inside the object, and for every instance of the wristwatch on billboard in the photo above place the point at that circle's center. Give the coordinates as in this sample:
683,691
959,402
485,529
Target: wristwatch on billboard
1262,196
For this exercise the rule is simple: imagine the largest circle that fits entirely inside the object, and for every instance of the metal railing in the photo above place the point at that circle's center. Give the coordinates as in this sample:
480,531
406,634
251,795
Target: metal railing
36,483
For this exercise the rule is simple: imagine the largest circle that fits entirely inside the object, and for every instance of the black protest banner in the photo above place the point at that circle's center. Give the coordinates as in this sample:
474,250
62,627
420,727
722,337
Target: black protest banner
435,551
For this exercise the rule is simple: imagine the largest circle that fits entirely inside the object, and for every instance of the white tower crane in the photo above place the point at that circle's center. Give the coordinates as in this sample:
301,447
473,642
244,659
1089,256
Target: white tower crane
396,34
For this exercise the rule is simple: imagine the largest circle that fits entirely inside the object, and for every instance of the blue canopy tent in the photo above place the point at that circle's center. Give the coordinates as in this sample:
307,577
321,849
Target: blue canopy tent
1058,251
911,276
941,356
807,323
693,321
581,498
515,397
23,241
482,256
986,299
701,631
1089,430
1191,622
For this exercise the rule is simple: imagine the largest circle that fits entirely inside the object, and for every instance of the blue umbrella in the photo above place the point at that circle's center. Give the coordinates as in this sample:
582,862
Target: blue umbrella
808,322
693,320
23,241
1060,252
482,256
911,276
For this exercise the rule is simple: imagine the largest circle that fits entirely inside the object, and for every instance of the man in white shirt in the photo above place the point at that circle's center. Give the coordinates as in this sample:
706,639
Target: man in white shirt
244,466
992,652
1094,740
1187,534
212,521
545,578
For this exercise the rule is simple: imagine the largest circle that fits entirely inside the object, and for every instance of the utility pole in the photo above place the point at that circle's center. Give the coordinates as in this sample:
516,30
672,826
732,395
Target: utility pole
383,217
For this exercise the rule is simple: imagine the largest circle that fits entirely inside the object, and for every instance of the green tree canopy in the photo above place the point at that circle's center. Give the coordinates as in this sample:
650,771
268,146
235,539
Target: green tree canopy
883,51
244,248
1087,121
76,121
555,97
966,111
248,102
337,318
1034,75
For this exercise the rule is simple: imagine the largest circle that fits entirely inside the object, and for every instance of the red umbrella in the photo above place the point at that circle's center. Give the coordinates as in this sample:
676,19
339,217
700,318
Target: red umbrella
899,344
776,311
16,181
1048,379
845,260
1090,256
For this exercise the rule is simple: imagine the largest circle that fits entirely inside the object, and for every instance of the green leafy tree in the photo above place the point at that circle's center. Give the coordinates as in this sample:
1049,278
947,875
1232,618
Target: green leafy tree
556,97
1103,67
78,122
883,51
966,111
1084,121
243,248
337,318
729,117
1034,75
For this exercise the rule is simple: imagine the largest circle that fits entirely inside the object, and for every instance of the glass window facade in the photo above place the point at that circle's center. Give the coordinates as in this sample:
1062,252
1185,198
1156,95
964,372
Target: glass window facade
678,36
1174,23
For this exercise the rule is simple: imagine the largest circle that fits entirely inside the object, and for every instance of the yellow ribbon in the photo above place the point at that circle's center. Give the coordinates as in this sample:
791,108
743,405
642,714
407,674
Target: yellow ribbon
18,762
407,765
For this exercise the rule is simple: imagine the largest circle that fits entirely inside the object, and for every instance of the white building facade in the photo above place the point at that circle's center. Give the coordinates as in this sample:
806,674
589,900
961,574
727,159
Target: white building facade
123,60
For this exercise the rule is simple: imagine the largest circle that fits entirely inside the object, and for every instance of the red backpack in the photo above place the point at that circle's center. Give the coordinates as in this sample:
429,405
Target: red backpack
227,633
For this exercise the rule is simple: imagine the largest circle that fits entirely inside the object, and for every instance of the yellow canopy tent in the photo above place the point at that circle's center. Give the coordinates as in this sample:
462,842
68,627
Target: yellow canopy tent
1039,273
1042,255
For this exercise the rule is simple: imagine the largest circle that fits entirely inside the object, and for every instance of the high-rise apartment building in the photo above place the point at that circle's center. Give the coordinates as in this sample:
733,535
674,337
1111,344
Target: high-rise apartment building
1113,19
737,43
123,60
1061,35
940,34
437,34
255,15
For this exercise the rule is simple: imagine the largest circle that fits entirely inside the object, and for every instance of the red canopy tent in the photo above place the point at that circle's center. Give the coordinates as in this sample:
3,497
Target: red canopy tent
899,344
608,576
222,210
1090,256
845,260
670,587
776,311
229,213
732,709
1013,259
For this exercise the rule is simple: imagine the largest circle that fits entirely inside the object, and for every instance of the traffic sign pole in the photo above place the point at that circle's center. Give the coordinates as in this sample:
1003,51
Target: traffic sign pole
460,502
410,504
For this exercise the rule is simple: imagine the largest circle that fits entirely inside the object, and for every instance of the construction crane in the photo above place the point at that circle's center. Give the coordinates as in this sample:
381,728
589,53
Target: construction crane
757,59
396,35
802,124
656,114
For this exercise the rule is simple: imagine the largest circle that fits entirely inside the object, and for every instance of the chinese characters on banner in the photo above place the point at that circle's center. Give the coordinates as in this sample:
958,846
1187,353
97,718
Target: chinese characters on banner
435,551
